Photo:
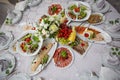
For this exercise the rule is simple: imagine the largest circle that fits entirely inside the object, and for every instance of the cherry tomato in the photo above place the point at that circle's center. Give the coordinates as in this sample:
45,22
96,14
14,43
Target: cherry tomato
77,9
28,40
33,28
86,35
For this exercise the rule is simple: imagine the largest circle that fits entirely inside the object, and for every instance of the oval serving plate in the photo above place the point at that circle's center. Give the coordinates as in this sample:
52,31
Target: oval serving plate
79,4
50,54
102,18
20,51
107,38
7,56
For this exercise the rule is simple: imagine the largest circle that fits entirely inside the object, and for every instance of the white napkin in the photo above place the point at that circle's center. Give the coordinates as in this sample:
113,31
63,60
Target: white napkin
108,74
20,6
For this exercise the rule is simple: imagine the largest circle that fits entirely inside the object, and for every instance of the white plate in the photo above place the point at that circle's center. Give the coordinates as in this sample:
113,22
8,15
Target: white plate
108,74
15,16
115,35
10,38
50,53
11,58
72,57
103,18
25,53
33,3
107,37
89,45
78,3
88,76
105,9
20,76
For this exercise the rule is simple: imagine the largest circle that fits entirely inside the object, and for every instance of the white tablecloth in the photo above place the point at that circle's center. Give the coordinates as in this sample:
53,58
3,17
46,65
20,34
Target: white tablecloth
91,62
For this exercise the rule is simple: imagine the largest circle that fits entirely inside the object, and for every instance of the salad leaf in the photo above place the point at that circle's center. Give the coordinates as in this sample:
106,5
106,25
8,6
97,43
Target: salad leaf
83,8
45,59
72,7
26,36
63,54
36,39
54,8
83,14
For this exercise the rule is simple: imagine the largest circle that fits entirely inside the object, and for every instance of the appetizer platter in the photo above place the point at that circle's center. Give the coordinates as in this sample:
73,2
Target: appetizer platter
63,57
52,38
29,43
93,34
44,56
96,18
54,9
78,11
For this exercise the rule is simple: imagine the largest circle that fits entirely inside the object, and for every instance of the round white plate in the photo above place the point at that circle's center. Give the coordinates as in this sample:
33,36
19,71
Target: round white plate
11,59
10,38
105,9
79,3
19,50
20,76
50,53
71,54
15,16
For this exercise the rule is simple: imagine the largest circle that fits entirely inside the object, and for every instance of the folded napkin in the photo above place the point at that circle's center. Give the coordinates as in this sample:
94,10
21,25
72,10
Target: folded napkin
108,74
20,6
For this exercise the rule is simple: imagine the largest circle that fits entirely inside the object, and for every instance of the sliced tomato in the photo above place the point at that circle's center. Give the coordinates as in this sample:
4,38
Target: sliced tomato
77,9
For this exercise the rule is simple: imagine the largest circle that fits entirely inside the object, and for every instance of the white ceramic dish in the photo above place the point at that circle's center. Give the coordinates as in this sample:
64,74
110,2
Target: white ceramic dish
9,38
102,16
89,46
33,3
20,76
72,57
108,74
106,36
15,16
105,8
88,76
79,3
7,56
19,50
50,53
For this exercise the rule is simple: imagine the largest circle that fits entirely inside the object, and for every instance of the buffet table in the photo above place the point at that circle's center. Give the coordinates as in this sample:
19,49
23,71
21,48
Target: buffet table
91,62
